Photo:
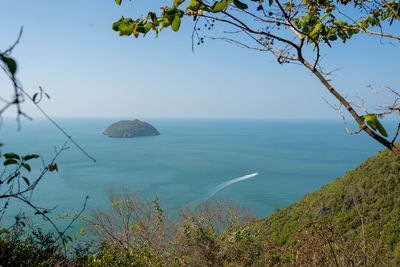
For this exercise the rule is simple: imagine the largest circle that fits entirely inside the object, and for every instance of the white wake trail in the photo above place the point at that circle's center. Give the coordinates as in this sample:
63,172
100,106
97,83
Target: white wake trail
228,183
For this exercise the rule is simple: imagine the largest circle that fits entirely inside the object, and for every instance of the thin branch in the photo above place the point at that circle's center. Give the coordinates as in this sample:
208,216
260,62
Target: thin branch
57,126
343,117
371,32
11,48
397,133
243,26
236,43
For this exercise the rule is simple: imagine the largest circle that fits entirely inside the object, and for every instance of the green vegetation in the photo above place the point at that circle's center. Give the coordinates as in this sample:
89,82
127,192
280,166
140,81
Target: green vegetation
130,128
357,214
352,221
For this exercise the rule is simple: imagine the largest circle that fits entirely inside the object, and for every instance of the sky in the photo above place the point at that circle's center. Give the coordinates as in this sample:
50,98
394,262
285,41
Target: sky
69,48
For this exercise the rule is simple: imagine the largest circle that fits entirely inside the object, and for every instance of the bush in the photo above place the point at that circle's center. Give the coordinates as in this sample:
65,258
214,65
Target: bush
35,249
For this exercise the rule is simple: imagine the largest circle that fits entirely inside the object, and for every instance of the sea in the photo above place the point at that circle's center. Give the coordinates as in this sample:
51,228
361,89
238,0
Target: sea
263,165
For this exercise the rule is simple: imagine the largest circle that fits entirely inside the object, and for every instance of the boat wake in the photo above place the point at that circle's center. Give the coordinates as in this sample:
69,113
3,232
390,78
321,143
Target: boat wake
230,182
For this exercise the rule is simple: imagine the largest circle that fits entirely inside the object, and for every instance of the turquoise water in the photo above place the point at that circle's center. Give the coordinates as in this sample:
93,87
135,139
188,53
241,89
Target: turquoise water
190,159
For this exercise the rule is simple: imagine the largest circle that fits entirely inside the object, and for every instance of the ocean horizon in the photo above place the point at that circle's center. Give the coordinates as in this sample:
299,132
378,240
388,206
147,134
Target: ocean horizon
259,163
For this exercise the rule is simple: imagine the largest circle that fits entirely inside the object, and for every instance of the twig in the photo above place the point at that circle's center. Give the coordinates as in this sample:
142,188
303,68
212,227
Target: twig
343,117
397,133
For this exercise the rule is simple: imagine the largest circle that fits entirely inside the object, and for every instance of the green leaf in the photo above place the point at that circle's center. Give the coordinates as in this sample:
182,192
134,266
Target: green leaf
9,180
271,2
147,27
29,157
34,97
178,2
118,2
116,24
219,6
381,129
324,17
240,5
176,23
370,119
9,162
193,5
27,166
11,64
26,181
126,29
374,123
11,155
153,17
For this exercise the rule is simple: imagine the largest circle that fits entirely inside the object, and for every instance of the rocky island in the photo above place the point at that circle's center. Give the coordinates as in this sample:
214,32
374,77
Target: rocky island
130,128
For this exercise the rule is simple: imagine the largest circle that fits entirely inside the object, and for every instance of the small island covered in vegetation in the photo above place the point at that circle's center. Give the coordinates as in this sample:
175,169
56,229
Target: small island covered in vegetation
130,128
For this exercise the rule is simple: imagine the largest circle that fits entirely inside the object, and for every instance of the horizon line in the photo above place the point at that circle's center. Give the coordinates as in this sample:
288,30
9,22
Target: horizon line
168,118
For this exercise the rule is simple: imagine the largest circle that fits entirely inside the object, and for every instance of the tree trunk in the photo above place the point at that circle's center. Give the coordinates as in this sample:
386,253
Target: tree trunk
353,113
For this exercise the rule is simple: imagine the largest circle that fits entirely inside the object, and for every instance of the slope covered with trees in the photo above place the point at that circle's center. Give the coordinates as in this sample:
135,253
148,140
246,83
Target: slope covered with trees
355,218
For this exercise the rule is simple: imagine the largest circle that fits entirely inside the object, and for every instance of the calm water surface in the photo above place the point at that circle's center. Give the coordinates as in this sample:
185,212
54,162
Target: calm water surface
190,159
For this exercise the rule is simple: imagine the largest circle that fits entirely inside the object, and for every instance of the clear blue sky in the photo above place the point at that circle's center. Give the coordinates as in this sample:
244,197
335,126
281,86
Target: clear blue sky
69,48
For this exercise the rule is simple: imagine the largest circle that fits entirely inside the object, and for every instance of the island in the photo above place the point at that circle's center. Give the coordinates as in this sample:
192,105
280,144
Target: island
130,128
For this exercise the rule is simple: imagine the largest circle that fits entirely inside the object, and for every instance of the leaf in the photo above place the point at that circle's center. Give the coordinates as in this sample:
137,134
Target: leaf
29,157
9,162
153,17
370,119
53,167
26,181
147,27
240,5
118,2
11,65
219,6
374,123
116,24
329,8
178,2
126,29
193,5
176,23
26,166
324,17
9,180
11,155
271,2
381,129
34,97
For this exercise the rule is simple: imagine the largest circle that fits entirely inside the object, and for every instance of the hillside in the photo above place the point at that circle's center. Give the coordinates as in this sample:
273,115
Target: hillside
355,219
